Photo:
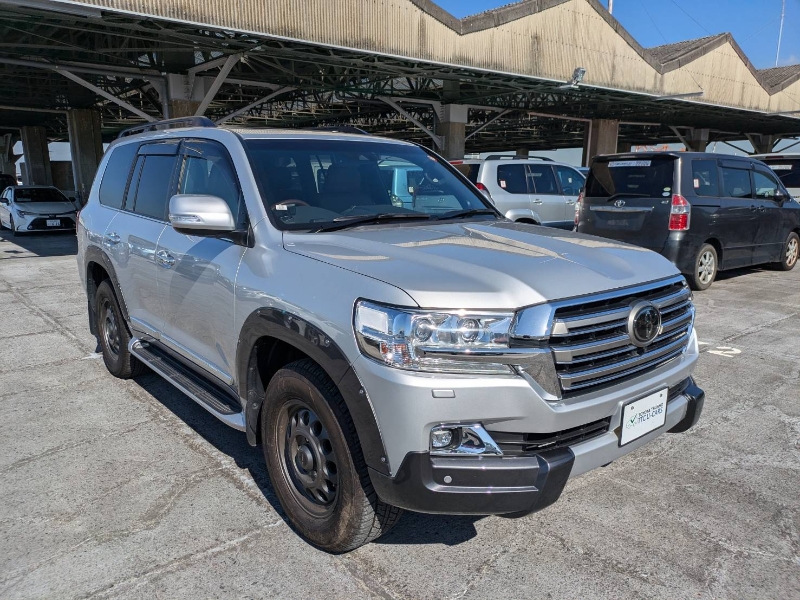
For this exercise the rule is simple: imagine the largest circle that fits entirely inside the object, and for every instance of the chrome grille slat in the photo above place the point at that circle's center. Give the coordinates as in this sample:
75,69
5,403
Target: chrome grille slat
590,343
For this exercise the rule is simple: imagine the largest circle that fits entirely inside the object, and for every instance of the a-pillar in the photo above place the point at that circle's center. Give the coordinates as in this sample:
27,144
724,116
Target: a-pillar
452,128
37,156
86,148
600,138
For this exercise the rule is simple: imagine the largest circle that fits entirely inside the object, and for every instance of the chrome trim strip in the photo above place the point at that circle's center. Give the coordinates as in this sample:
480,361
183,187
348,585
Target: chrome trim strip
505,356
621,209
488,445
654,364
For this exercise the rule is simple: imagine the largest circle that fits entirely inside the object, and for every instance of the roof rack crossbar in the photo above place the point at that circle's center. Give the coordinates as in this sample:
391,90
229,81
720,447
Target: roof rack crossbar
167,124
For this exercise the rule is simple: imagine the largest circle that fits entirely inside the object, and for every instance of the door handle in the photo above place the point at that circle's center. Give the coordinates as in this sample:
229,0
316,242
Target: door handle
165,259
112,239
537,201
570,202
753,208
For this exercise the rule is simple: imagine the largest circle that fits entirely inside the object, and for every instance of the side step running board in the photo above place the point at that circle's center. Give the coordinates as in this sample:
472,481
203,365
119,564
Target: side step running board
204,393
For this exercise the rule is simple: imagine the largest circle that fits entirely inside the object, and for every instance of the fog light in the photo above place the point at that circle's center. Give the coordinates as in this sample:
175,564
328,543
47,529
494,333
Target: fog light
441,438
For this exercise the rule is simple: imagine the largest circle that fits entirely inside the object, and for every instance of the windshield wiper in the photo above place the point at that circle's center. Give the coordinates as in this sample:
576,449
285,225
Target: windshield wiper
469,212
345,222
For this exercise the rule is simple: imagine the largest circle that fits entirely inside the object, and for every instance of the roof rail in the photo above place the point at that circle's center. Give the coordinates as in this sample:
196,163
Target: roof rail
339,129
167,124
515,157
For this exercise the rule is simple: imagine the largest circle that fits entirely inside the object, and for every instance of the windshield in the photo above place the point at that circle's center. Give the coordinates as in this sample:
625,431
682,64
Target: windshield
38,195
788,169
643,178
310,183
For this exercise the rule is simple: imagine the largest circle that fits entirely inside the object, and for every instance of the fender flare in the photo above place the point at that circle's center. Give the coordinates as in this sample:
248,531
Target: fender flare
314,343
93,254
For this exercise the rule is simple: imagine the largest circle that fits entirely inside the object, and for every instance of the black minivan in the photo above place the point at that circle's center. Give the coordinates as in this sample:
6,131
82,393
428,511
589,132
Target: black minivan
704,212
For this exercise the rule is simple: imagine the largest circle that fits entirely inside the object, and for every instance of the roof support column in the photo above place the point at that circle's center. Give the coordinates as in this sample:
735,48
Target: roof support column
600,138
182,100
86,147
695,140
37,156
453,129
7,162
762,143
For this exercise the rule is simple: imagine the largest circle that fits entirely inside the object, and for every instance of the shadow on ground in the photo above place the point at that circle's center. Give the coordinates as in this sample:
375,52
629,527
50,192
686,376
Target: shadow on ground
413,528
47,243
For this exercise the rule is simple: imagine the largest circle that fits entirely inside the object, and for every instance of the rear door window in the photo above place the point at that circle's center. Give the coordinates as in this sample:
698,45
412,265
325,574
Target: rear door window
115,177
641,178
512,178
736,183
765,185
154,187
571,181
542,179
705,177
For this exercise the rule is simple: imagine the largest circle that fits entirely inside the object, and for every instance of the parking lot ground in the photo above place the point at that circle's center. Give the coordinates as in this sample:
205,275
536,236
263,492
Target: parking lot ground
114,488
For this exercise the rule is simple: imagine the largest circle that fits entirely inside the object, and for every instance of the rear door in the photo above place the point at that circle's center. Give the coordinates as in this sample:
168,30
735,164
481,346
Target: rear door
511,193
629,199
546,197
738,214
769,237
571,183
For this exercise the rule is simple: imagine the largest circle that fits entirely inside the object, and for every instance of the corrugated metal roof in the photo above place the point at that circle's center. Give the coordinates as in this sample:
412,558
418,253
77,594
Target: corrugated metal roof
778,75
670,52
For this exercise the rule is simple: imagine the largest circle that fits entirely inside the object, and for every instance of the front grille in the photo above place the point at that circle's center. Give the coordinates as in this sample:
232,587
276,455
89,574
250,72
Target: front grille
590,342
41,223
517,444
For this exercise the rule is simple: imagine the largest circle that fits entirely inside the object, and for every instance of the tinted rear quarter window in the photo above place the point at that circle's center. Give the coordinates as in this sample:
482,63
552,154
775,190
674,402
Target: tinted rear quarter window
115,177
642,178
788,170
705,177
512,178
152,195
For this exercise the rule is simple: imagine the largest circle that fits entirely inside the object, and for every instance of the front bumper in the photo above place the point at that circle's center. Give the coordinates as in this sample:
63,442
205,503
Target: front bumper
483,485
39,222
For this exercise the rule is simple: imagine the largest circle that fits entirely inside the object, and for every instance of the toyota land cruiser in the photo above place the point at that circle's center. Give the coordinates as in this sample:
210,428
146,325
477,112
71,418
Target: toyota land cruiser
427,355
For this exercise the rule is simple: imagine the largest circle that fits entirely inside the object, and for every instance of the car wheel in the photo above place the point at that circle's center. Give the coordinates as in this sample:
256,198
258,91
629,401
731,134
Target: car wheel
114,336
315,462
791,252
705,268
14,231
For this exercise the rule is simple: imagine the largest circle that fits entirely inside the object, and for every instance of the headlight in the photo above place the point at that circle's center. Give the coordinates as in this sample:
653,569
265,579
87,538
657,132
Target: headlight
23,213
434,341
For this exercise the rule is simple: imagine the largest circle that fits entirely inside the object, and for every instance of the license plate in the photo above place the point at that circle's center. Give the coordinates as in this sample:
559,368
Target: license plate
54,222
642,416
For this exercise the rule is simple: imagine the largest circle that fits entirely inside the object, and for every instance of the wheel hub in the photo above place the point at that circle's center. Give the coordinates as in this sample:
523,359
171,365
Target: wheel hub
111,330
309,457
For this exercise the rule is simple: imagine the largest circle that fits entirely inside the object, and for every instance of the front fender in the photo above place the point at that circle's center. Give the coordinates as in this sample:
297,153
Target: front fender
305,337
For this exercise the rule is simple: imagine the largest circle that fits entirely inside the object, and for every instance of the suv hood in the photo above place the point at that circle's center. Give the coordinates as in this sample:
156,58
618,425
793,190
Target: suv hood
478,265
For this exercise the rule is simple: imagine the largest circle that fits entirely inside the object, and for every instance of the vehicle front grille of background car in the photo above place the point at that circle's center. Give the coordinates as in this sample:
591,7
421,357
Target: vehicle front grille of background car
590,342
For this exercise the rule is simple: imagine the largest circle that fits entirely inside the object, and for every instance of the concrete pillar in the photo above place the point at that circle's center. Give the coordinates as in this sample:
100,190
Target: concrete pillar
86,147
37,156
184,95
623,147
600,138
453,128
523,152
7,159
763,143
697,140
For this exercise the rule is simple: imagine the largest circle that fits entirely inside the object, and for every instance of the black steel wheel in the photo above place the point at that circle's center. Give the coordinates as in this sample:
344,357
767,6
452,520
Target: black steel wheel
114,336
315,462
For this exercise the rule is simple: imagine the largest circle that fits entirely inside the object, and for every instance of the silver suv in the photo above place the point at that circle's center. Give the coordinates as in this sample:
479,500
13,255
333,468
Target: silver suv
527,190
433,357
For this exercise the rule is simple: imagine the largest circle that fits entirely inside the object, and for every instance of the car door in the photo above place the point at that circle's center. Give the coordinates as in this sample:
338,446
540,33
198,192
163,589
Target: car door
5,207
571,183
196,275
769,235
737,215
546,196
132,236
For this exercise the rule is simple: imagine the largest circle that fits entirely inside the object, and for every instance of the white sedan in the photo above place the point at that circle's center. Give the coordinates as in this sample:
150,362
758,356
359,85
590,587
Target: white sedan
26,208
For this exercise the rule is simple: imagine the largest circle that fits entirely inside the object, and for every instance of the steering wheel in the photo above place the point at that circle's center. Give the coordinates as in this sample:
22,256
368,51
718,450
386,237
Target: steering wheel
292,201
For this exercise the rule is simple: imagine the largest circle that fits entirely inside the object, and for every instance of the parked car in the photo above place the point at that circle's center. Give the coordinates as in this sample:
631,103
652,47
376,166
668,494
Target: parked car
786,166
436,358
528,190
706,213
26,208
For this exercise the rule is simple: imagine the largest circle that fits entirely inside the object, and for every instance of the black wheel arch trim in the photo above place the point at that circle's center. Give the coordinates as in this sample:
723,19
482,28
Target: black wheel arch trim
310,340
93,254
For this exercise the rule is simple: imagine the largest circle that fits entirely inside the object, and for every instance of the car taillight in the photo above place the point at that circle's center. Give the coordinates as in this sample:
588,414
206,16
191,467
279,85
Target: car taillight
578,209
679,213
481,187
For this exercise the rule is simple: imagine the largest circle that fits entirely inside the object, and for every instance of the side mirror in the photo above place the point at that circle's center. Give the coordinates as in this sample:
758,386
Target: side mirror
780,196
200,214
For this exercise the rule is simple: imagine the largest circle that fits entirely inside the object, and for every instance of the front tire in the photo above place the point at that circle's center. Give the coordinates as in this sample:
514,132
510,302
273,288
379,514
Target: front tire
114,336
791,252
705,268
315,462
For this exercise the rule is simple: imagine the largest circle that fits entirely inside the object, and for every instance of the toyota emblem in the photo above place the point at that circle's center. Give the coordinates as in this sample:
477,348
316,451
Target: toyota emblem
644,323
619,203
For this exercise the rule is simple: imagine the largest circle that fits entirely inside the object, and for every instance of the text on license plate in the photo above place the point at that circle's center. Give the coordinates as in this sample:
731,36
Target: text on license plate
54,222
643,416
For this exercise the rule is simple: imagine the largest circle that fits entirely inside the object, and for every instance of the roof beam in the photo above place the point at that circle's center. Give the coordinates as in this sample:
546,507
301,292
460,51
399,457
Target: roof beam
489,122
437,139
218,81
244,109
105,94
